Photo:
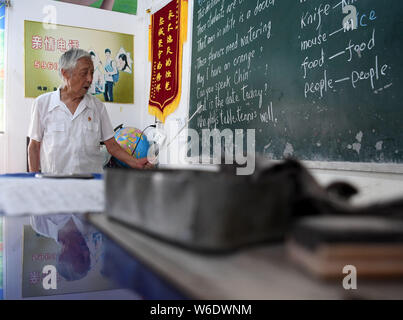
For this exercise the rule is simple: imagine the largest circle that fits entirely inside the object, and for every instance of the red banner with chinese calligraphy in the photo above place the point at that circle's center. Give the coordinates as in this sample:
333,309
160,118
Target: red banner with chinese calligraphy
167,35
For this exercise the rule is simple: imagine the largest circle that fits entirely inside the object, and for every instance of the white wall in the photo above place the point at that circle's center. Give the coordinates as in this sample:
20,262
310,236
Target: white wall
2,153
2,135
18,108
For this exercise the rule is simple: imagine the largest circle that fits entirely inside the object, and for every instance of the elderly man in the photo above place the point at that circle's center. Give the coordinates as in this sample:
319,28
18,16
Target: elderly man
68,125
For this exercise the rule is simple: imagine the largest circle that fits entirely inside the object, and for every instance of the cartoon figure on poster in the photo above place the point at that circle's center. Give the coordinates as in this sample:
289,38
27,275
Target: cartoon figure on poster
124,61
111,75
111,68
98,82
106,76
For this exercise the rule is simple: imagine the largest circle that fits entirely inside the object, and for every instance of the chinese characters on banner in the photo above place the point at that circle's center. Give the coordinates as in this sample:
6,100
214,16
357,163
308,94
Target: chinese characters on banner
110,52
167,34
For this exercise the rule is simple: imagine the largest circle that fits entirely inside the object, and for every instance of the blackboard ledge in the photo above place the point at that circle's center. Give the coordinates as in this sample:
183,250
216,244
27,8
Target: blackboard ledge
356,166
396,168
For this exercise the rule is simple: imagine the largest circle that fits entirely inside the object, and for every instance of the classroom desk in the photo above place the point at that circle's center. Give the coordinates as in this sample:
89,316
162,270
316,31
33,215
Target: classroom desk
21,264
155,269
158,270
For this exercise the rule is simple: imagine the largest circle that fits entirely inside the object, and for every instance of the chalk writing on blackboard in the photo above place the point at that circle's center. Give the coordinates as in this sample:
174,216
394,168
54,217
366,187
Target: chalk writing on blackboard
310,76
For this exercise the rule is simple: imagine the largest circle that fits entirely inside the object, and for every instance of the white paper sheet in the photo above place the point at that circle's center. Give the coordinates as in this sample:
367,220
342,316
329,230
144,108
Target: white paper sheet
33,196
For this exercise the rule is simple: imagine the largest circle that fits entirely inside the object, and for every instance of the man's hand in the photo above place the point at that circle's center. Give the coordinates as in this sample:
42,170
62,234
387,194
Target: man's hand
140,163
149,166
115,150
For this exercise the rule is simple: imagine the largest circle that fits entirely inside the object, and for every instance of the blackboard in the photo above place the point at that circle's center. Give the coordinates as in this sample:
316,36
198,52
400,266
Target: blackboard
313,82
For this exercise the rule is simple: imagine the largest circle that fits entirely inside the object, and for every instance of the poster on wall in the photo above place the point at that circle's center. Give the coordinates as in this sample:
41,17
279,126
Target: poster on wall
39,251
111,52
2,53
125,6
167,35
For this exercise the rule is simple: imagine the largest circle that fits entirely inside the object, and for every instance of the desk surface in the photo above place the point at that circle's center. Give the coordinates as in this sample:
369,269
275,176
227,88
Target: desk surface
261,272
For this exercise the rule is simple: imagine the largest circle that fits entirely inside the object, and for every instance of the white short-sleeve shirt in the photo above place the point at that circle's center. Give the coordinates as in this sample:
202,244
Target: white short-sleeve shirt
70,143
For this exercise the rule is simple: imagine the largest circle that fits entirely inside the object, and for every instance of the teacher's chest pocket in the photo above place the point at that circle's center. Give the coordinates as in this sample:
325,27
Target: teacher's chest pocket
91,134
56,134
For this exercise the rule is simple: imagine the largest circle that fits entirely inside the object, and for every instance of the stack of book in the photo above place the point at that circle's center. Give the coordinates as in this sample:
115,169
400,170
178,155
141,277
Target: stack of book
325,245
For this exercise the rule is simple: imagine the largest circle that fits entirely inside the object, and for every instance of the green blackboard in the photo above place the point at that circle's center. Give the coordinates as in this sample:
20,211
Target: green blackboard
311,87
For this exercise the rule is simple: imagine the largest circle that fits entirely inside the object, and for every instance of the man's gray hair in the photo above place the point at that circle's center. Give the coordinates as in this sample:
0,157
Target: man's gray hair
68,60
